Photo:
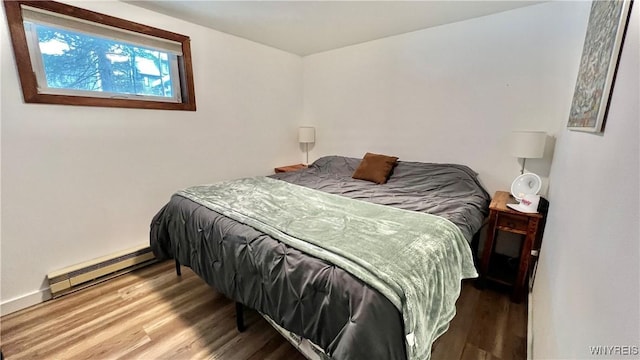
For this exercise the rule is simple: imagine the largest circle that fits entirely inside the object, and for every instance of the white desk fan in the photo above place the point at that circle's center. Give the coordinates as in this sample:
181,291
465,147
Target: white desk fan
525,184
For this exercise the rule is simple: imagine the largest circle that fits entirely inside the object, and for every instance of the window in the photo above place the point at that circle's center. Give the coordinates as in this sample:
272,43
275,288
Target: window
68,55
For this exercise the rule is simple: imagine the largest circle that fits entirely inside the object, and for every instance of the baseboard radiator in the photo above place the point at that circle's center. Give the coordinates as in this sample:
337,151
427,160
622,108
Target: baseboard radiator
79,276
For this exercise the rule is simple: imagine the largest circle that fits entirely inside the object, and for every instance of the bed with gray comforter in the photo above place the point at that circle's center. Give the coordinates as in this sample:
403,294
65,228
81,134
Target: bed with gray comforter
337,303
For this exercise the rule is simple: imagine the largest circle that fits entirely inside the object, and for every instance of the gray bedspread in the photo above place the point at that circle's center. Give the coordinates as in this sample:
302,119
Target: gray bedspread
447,190
306,295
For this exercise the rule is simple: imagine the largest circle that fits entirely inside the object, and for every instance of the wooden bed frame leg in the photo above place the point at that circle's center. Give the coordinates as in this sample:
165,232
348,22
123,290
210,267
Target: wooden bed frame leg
240,317
178,271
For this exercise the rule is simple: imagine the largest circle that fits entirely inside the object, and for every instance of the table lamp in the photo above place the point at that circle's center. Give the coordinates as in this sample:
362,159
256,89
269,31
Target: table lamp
306,136
527,145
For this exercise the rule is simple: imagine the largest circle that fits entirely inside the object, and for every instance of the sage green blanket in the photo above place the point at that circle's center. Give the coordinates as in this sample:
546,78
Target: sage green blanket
415,259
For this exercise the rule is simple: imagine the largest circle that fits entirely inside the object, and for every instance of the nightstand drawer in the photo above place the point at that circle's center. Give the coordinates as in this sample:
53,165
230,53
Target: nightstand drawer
513,223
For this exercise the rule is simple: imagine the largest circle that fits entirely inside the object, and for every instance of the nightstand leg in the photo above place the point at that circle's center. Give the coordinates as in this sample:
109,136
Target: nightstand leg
520,287
488,249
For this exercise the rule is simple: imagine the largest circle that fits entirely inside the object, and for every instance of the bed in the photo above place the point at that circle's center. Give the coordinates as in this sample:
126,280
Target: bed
333,305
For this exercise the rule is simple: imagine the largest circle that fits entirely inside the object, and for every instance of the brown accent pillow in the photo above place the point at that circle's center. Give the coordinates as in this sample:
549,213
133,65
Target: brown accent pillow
375,167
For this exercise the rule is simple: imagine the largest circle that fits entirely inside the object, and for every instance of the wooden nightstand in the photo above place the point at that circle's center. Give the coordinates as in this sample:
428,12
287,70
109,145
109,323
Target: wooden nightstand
288,168
503,218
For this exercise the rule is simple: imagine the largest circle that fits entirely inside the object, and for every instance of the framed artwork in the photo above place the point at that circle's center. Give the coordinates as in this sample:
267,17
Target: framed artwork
600,55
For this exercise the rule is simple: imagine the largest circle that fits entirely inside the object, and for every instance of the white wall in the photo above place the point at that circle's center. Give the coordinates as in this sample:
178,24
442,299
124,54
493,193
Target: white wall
81,182
587,289
451,93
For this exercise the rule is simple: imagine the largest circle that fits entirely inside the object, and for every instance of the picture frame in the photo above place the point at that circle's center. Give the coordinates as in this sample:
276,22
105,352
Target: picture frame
603,42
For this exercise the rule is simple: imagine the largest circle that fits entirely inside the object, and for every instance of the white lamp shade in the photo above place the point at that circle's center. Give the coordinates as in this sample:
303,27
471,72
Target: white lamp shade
528,144
307,134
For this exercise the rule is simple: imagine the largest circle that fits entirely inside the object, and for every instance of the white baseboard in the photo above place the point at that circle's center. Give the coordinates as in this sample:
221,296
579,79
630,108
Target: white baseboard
24,301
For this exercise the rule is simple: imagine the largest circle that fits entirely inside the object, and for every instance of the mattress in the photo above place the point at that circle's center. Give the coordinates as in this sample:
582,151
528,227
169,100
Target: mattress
305,295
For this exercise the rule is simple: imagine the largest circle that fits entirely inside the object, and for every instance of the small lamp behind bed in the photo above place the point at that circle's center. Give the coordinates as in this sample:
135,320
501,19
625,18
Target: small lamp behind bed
306,136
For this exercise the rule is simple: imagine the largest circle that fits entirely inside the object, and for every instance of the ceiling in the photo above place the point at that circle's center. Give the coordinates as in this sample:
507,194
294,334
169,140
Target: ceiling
307,27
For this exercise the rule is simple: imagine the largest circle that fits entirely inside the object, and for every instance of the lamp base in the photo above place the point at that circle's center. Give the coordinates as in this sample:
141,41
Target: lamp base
524,160
307,148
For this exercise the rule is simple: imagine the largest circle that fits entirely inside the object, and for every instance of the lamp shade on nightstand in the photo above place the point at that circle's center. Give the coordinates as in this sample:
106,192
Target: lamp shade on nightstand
528,144
306,134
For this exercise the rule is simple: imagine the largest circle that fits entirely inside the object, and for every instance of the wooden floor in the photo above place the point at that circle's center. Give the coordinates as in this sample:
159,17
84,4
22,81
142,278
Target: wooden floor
154,314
